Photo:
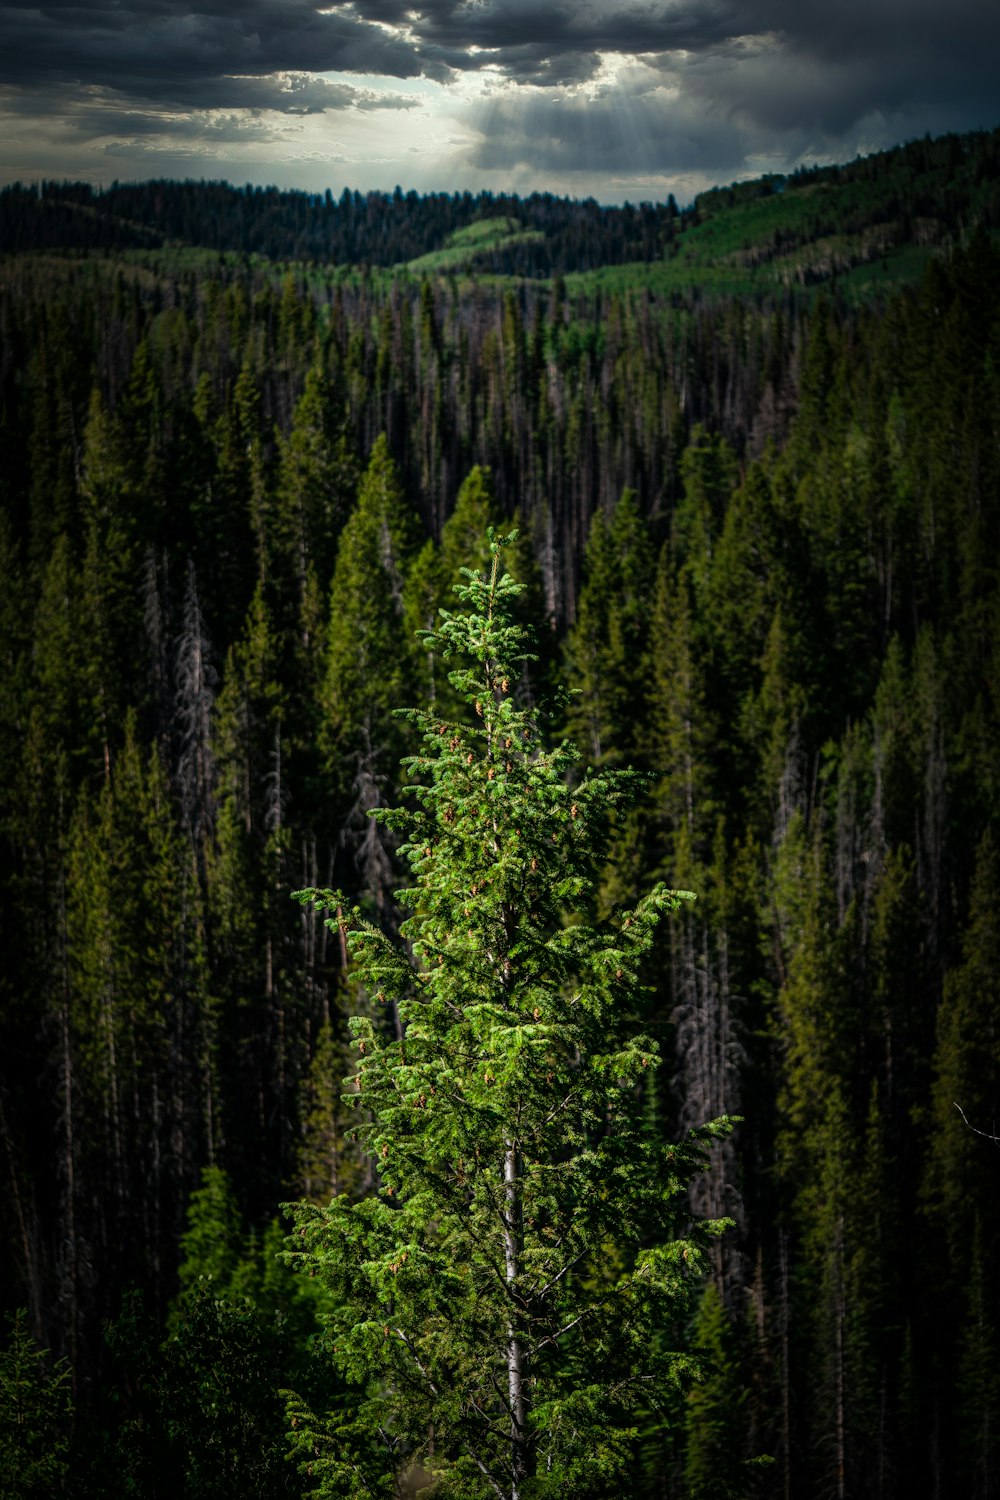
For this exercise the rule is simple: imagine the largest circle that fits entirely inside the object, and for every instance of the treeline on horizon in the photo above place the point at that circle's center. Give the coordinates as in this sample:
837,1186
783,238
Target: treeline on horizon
762,543
371,228
925,188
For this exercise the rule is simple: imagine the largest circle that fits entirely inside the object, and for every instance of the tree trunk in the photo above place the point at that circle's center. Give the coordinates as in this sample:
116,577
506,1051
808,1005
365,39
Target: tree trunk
519,1466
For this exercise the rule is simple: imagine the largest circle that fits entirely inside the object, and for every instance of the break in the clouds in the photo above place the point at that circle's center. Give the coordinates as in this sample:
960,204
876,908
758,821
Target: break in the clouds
632,98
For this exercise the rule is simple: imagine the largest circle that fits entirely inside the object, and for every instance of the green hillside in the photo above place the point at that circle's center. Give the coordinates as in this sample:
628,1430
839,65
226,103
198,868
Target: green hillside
463,248
866,227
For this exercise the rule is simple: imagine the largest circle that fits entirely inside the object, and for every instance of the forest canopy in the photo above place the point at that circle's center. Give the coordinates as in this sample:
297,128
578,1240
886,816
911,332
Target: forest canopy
760,531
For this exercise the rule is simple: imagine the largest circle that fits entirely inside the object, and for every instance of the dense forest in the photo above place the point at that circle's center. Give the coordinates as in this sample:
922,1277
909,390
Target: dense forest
759,539
356,228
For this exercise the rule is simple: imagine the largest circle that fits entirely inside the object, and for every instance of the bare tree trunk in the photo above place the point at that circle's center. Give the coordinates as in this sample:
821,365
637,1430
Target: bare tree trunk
70,1278
69,1166
709,1055
839,1314
112,1104
786,1397
519,1468
157,1190
194,700
26,1232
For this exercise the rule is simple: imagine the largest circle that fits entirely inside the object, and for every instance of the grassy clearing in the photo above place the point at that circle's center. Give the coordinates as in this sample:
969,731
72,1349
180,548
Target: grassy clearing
473,241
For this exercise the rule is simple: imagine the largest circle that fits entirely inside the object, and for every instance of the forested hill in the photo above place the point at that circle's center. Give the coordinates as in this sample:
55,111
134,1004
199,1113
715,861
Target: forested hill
926,194
761,539
371,228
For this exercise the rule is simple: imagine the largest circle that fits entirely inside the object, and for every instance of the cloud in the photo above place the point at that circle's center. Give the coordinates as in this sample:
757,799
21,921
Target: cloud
588,95
506,33
645,131
288,93
103,110
163,50
764,88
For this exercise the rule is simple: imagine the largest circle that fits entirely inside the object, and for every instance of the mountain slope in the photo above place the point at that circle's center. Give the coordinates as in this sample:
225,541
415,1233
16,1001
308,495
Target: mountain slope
875,220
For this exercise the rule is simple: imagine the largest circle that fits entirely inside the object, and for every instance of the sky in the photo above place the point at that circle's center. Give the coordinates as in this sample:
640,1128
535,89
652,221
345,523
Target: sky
615,99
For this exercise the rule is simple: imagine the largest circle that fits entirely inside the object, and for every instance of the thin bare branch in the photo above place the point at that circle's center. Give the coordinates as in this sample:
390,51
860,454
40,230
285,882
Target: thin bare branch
987,1135
553,1338
417,1361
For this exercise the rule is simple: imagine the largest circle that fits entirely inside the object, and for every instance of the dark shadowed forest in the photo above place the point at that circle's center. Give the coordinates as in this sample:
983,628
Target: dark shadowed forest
759,539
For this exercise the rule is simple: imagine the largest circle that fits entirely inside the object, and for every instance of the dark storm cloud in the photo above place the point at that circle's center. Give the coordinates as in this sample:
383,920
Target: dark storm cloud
769,83
786,67
532,42
287,93
649,137
936,30
547,44
152,49
494,30
827,68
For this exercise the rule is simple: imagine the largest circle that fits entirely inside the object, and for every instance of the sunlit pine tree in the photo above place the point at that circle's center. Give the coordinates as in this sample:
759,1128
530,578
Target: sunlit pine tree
506,1301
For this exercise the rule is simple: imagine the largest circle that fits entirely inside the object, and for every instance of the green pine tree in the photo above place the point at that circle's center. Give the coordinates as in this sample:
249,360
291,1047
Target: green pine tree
708,468
506,1300
961,1168
210,1246
369,659
429,582
978,1379
715,1465
678,732
36,1407
328,1163
605,650
317,473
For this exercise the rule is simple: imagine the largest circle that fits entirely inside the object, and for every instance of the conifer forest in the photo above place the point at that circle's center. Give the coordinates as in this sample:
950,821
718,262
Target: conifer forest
750,449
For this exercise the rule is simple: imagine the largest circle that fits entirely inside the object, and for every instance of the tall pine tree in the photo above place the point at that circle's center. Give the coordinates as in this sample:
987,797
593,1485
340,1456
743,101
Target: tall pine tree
506,1299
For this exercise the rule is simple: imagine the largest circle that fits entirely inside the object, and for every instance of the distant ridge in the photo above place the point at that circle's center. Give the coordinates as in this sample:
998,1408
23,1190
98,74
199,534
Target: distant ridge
923,194
374,228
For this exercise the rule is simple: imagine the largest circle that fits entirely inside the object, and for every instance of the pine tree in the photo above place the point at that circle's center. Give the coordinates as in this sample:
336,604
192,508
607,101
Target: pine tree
507,1299
369,658
678,733
708,468
328,1164
316,475
210,1246
606,648
714,1463
978,1380
464,543
967,1060
36,1408
427,587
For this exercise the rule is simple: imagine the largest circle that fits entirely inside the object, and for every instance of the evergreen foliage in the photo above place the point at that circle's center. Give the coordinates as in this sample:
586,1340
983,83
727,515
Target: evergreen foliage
197,1411
808,672
714,1461
36,1408
606,648
514,1286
